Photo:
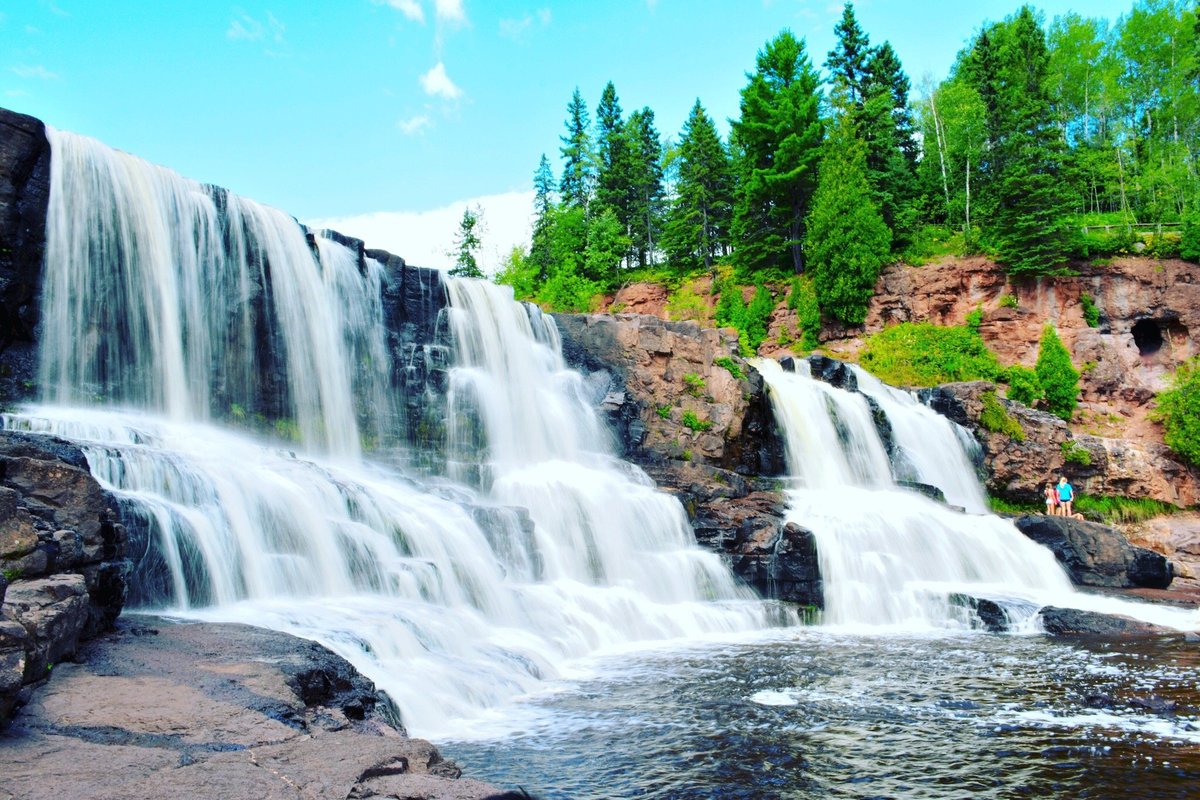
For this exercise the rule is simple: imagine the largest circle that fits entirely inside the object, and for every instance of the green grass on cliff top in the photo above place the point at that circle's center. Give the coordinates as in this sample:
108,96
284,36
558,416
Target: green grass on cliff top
924,354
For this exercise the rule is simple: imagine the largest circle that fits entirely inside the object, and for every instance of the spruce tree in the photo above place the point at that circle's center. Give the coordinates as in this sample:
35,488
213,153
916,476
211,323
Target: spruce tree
777,142
1058,377
466,245
848,60
575,186
540,246
646,185
697,227
613,158
848,241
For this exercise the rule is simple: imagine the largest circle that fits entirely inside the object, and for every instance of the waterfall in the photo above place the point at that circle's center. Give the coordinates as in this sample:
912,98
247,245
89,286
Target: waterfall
890,557
221,371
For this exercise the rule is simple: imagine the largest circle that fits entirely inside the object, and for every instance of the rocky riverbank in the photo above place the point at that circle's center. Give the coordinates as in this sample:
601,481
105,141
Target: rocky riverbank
156,709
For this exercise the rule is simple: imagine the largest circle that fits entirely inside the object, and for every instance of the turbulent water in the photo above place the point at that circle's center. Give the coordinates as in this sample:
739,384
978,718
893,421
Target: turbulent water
527,597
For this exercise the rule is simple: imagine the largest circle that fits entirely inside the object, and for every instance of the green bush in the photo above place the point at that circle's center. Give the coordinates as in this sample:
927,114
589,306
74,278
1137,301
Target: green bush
1009,301
995,418
1117,510
730,365
1091,314
663,411
803,300
685,303
975,319
1023,385
694,383
1074,453
1056,374
1189,240
924,354
750,320
690,420
1178,409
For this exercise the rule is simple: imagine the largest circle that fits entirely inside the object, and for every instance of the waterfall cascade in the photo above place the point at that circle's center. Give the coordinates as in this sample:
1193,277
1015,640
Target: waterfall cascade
171,306
890,557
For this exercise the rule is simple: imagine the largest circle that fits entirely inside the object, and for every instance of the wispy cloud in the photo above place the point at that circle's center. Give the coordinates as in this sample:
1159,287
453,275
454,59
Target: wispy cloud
16,93
437,83
244,27
520,29
450,11
409,8
414,125
36,71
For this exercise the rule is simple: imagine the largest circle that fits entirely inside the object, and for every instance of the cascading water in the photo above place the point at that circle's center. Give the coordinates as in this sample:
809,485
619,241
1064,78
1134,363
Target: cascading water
894,558
169,306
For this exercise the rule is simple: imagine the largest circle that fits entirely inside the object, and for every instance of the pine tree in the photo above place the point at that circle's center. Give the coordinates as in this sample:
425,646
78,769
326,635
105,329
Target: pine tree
777,140
848,60
466,245
848,241
540,247
646,184
1057,376
575,185
697,227
614,158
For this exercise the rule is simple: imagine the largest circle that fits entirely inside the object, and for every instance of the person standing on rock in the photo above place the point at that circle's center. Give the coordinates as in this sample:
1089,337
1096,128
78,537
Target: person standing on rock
1051,500
1066,496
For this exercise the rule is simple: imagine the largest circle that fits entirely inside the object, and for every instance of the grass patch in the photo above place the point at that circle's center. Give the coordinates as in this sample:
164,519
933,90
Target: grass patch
1118,510
1001,506
995,418
924,354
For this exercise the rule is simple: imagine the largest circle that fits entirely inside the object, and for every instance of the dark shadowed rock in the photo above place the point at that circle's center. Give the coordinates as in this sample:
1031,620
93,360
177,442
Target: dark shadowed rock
1075,622
1097,555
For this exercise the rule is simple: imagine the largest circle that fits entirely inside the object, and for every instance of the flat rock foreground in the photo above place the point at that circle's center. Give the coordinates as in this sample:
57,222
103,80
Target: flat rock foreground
156,709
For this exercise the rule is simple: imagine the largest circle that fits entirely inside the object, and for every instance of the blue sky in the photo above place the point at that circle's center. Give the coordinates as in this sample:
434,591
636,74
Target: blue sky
391,110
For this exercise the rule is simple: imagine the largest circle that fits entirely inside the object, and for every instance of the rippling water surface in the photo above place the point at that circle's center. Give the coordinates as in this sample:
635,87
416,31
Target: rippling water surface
815,714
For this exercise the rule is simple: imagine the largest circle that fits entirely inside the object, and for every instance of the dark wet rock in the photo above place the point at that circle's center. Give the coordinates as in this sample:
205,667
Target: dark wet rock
833,372
930,491
157,709
1097,555
1075,622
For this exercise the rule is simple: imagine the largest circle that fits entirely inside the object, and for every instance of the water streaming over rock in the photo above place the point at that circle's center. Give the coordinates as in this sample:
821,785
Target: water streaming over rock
892,557
175,313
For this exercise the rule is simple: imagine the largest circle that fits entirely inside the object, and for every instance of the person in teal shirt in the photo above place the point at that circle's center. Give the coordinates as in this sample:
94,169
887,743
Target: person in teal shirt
1066,496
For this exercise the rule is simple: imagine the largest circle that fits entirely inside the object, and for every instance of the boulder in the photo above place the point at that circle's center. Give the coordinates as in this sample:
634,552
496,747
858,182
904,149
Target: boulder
1075,622
1097,555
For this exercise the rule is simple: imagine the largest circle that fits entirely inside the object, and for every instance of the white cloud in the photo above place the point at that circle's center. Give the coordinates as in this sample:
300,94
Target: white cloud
409,8
34,71
450,11
244,27
519,29
415,124
436,82
423,238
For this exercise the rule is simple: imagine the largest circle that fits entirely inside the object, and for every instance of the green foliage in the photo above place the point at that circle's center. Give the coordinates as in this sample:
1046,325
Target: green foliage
568,291
1073,453
1189,241
692,422
924,354
685,303
1091,314
520,272
803,300
697,228
663,411
750,320
1023,385
1121,510
995,418
1058,377
694,384
12,573
848,241
729,364
777,141
974,319
1178,409
607,244
1002,506
467,244
1008,301
576,150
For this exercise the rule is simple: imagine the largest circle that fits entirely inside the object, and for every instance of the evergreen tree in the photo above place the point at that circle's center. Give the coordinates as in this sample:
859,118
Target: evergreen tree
607,244
575,186
614,159
777,140
466,245
1178,409
1056,375
848,60
540,255
848,241
697,227
646,185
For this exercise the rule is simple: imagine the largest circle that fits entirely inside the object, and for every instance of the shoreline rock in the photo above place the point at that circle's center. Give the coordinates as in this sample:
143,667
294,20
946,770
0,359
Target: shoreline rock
1096,555
160,709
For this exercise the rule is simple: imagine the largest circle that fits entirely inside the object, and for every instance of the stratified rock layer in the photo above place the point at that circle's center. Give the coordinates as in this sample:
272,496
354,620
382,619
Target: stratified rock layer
202,710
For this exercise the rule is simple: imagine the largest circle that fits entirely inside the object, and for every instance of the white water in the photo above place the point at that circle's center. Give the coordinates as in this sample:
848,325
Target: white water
441,593
890,557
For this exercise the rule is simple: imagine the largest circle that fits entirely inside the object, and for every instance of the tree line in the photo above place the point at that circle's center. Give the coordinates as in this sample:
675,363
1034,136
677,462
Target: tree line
1040,131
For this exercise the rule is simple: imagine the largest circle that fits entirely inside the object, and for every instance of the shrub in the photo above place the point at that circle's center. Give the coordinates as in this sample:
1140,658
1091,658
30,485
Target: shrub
1189,240
729,364
1091,314
1023,385
663,411
1073,453
975,319
1056,374
694,383
803,300
685,303
691,421
1009,301
924,354
1178,409
995,418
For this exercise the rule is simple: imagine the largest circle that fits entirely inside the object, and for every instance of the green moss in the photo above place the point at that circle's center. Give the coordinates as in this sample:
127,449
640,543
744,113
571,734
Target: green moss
995,418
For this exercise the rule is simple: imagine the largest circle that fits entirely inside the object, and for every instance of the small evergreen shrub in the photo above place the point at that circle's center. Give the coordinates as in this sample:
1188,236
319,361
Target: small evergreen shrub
995,418
1023,385
1178,409
803,300
1091,314
1056,374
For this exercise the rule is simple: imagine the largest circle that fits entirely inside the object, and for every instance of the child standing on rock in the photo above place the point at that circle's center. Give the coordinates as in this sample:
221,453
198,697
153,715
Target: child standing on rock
1051,500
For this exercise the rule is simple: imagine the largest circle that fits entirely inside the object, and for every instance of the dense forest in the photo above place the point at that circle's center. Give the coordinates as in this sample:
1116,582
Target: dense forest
1048,142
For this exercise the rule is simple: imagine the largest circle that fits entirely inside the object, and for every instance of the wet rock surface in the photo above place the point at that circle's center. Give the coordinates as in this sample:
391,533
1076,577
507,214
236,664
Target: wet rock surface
1097,555
1076,622
156,709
